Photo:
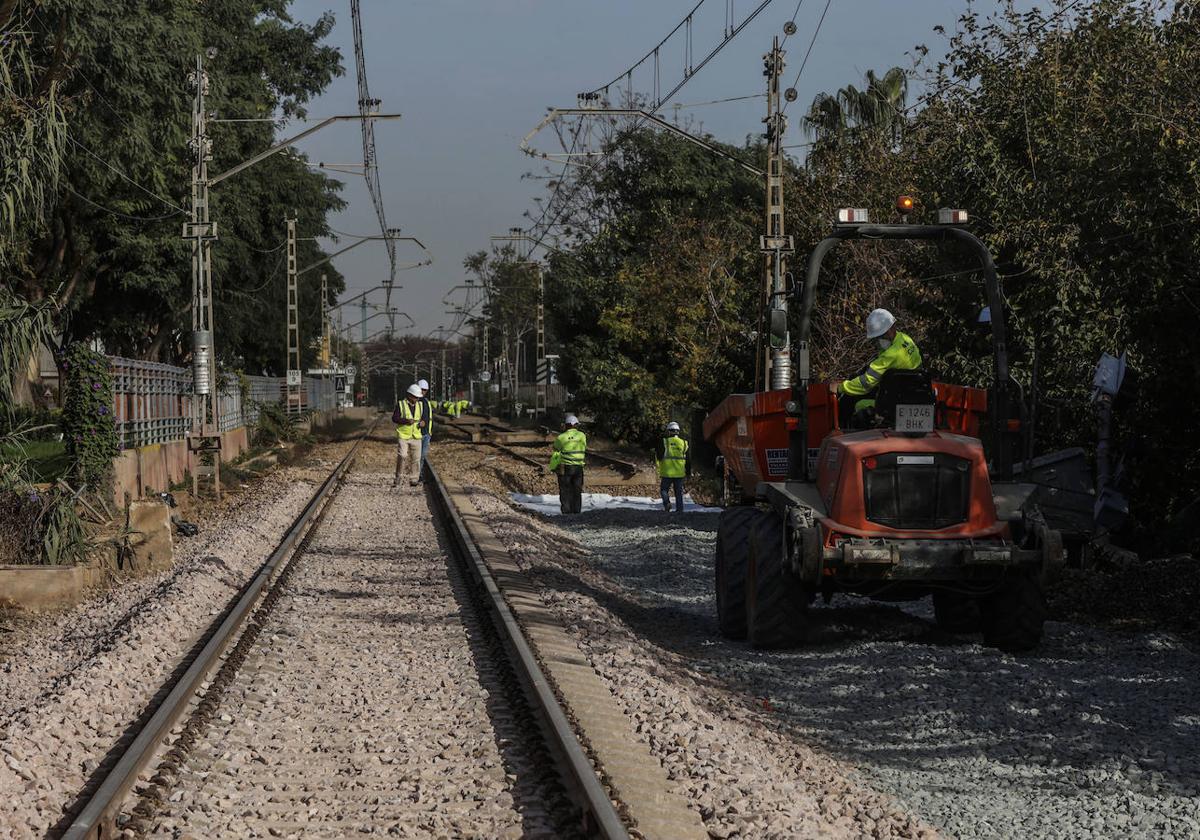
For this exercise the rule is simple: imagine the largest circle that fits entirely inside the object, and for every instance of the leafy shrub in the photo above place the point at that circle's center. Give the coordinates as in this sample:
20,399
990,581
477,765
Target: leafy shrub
275,425
36,526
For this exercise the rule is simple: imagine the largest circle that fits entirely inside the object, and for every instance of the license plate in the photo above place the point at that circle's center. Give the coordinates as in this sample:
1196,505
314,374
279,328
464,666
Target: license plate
914,418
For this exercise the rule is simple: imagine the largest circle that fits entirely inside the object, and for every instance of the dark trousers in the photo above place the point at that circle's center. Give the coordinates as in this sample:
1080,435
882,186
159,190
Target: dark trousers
664,489
570,489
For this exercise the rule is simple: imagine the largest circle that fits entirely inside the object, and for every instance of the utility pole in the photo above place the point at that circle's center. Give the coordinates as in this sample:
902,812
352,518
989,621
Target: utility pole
294,374
341,340
775,245
204,439
326,347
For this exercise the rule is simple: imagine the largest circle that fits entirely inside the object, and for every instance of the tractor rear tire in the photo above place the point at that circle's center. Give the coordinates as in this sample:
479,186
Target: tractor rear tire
956,613
776,600
733,555
1013,616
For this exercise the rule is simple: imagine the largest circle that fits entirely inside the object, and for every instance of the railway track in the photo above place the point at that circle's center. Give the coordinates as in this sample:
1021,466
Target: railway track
373,678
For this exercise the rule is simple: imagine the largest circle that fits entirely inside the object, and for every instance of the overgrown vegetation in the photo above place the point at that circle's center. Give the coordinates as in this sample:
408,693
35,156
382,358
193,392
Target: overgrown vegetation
36,525
276,425
87,419
1073,140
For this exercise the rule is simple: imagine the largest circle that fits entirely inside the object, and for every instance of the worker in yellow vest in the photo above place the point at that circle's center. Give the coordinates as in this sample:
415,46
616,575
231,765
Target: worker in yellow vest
409,417
673,462
570,451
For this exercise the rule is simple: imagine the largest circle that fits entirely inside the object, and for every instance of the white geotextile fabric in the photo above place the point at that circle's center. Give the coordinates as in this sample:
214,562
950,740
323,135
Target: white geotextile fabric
548,504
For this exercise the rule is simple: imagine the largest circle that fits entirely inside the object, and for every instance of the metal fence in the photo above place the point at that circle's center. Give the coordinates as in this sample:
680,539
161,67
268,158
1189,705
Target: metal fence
152,401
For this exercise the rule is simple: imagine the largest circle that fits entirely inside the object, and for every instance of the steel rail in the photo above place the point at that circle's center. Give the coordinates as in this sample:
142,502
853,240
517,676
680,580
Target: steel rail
607,823
97,817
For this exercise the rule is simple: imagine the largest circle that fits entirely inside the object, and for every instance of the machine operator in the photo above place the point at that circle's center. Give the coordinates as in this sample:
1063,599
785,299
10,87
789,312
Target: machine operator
897,351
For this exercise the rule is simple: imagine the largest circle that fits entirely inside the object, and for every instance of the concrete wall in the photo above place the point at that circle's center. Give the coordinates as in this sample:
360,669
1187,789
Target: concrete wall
46,587
157,467
163,464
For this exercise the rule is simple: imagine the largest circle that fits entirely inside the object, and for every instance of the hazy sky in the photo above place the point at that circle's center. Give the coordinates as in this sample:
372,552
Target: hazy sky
471,78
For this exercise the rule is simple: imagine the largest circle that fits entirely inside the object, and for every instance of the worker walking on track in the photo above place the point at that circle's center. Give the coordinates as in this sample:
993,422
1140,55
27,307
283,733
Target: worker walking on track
570,450
897,351
426,425
674,462
407,417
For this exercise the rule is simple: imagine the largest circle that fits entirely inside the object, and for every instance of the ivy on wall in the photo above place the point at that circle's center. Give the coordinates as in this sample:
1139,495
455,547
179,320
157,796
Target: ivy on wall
88,428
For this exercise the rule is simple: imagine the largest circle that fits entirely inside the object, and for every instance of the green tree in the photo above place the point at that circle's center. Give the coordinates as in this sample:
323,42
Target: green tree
657,309
111,253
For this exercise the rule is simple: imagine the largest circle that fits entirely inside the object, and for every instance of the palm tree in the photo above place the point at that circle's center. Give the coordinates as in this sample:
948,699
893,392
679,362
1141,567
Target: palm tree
826,118
878,107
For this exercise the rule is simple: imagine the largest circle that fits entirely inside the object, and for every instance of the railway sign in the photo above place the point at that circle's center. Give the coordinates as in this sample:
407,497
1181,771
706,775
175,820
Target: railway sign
547,371
351,371
485,376
293,378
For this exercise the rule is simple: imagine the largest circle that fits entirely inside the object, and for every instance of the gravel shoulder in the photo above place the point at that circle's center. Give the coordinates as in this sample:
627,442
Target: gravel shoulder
72,682
1096,734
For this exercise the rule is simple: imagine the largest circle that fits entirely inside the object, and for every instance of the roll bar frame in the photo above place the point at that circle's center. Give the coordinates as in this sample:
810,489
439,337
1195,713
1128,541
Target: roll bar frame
999,397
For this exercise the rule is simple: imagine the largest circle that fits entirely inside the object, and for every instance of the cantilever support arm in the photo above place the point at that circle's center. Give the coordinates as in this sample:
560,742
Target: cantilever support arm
411,322
283,144
627,112
329,257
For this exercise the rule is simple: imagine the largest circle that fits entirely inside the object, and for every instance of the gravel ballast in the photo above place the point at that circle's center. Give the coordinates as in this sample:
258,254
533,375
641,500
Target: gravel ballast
1094,734
369,705
72,682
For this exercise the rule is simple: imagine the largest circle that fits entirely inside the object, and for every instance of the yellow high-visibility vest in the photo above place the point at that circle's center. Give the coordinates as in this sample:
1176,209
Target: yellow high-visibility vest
411,414
570,449
902,354
674,461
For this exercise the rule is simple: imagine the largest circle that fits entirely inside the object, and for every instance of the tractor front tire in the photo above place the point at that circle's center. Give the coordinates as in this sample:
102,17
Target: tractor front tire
733,555
956,613
776,600
1012,617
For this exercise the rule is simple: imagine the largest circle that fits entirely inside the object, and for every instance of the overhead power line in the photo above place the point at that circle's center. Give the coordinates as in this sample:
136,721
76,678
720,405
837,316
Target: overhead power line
811,43
685,29
732,26
366,106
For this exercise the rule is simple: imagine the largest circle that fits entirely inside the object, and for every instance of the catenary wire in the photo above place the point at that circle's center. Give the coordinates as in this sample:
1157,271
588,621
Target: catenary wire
811,43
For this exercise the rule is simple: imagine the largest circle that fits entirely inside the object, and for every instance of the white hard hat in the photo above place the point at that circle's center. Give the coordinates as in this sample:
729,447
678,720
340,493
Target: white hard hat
414,389
879,322
672,426
423,385
571,420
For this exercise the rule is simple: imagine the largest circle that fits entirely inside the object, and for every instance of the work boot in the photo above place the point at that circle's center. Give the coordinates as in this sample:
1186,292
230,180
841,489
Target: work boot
667,507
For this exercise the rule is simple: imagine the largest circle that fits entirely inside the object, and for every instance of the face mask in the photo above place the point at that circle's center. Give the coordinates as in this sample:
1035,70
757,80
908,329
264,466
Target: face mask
883,343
